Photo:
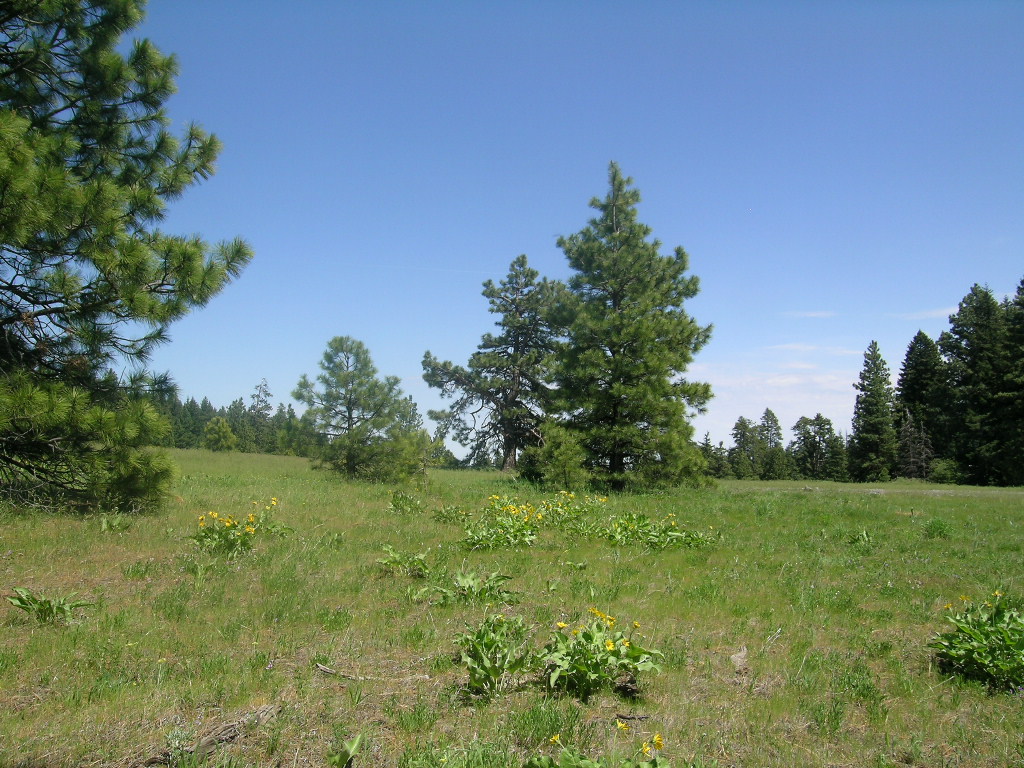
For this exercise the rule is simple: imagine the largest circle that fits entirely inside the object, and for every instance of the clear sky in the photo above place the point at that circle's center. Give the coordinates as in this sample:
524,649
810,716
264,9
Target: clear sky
837,171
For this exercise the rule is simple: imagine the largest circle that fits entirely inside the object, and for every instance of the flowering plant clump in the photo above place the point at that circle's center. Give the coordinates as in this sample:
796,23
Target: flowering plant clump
634,528
504,522
644,757
985,644
568,512
583,660
225,535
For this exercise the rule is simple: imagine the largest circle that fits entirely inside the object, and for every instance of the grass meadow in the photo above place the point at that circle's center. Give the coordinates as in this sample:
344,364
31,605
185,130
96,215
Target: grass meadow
796,637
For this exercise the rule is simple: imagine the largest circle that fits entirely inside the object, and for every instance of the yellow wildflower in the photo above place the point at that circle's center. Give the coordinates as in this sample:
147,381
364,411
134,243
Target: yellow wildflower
273,501
556,739
948,606
965,598
609,645
213,515
250,529
997,593
646,748
658,742
561,625
252,518
622,726
636,625
625,644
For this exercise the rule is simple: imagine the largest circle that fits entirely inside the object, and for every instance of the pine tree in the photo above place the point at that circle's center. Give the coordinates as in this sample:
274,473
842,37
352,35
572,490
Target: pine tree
976,347
922,390
499,399
1012,395
217,435
369,428
816,451
628,343
87,280
915,449
775,462
747,450
873,442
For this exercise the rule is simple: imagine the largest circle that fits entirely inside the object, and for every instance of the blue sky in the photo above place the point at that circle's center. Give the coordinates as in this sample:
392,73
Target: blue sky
837,172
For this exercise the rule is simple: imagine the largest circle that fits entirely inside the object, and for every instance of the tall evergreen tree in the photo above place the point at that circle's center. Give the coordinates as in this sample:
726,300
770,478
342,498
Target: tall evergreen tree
817,452
873,442
1012,395
628,345
747,450
976,347
922,391
499,397
86,278
775,462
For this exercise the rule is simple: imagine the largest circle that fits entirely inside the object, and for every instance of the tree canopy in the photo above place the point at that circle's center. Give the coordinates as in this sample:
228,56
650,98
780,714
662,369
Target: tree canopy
369,429
87,279
628,342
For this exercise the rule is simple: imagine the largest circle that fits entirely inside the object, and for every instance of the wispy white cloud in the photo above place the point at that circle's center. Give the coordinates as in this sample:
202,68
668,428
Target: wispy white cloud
798,365
802,347
927,314
819,314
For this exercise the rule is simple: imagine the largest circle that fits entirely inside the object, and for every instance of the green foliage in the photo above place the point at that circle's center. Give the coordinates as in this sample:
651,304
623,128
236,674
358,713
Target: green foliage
873,441
47,610
584,660
87,281
344,754
499,399
115,523
414,566
628,343
470,587
986,643
404,504
570,758
504,523
635,528
218,436
370,430
494,653
558,461
225,536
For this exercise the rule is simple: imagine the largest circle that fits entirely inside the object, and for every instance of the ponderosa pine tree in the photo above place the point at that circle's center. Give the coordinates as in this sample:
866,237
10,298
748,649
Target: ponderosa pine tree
368,428
620,371
87,281
499,398
873,440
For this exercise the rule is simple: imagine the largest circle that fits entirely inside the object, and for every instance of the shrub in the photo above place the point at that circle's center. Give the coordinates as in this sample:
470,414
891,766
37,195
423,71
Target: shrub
985,644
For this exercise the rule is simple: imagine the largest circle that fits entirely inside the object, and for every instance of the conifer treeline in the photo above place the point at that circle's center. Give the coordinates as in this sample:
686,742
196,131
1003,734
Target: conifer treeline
253,428
956,413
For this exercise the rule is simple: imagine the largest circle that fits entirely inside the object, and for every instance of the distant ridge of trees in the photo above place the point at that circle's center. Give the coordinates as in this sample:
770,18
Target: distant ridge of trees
956,414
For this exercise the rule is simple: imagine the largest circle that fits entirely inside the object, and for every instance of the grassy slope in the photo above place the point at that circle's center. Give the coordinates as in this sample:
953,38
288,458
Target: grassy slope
832,590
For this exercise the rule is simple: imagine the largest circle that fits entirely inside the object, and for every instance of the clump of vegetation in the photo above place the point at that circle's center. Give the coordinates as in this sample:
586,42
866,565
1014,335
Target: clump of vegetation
223,535
47,610
584,660
414,566
494,652
985,644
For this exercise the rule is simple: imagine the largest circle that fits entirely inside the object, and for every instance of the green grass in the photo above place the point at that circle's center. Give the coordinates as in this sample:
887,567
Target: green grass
797,638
